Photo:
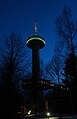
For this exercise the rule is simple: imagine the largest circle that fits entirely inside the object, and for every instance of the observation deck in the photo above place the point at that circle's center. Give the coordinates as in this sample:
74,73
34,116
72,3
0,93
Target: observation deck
35,40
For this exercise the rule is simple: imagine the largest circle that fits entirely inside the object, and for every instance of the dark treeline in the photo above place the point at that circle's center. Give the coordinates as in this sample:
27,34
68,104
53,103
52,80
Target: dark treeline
63,66
62,70
14,67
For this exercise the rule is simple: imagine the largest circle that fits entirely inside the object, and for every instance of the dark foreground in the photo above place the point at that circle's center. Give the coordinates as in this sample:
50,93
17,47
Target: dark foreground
56,116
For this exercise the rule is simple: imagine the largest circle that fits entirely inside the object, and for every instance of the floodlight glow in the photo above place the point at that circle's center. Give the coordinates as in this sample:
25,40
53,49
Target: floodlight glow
29,112
35,38
48,113
53,117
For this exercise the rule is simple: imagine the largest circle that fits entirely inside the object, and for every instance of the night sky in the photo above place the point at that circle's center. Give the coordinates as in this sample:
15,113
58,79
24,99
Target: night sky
18,16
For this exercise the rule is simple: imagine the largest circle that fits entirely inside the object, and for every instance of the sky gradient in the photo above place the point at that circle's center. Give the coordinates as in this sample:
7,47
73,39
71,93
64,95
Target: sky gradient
19,15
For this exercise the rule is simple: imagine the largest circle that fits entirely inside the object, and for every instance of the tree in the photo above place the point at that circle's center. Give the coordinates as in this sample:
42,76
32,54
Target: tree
66,27
53,69
14,64
65,51
70,71
70,79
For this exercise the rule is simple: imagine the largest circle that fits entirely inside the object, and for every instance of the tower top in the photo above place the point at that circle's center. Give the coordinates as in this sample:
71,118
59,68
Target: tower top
35,27
35,40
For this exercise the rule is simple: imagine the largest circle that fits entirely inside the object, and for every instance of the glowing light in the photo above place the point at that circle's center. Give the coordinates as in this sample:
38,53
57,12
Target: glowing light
35,38
29,112
48,113
53,117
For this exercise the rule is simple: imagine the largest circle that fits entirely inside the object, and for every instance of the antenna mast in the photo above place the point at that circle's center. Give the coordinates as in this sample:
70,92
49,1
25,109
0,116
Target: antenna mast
35,27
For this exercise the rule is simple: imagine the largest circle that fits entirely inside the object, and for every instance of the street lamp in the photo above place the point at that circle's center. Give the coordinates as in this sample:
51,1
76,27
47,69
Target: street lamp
29,112
48,114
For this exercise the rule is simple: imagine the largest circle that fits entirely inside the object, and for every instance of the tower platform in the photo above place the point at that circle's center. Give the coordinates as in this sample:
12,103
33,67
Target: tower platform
35,40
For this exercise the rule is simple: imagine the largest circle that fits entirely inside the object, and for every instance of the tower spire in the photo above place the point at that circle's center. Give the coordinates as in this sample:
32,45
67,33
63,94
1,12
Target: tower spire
35,27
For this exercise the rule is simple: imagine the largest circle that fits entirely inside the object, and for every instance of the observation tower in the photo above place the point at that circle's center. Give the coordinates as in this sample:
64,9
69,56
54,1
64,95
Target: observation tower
36,43
36,84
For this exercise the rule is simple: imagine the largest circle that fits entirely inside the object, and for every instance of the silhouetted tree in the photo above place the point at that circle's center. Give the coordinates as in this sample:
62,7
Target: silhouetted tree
13,65
66,27
53,69
66,44
70,68
70,79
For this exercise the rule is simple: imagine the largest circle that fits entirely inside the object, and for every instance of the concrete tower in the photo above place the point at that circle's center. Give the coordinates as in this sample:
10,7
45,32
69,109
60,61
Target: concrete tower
36,84
36,43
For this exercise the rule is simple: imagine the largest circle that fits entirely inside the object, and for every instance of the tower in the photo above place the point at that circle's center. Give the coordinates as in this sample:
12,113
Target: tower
35,43
36,84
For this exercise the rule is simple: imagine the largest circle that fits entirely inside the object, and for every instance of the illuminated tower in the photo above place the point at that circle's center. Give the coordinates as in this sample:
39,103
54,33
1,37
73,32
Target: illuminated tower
36,43
36,84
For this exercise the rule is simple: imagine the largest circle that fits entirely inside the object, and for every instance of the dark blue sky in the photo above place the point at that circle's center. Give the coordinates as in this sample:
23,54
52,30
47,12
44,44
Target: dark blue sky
19,16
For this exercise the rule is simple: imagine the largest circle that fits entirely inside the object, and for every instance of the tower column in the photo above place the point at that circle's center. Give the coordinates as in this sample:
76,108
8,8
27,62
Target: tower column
35,75
35,43
35,63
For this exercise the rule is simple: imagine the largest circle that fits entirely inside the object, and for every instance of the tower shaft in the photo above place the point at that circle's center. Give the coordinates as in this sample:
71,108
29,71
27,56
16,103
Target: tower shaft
35,63
35,75
35,43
